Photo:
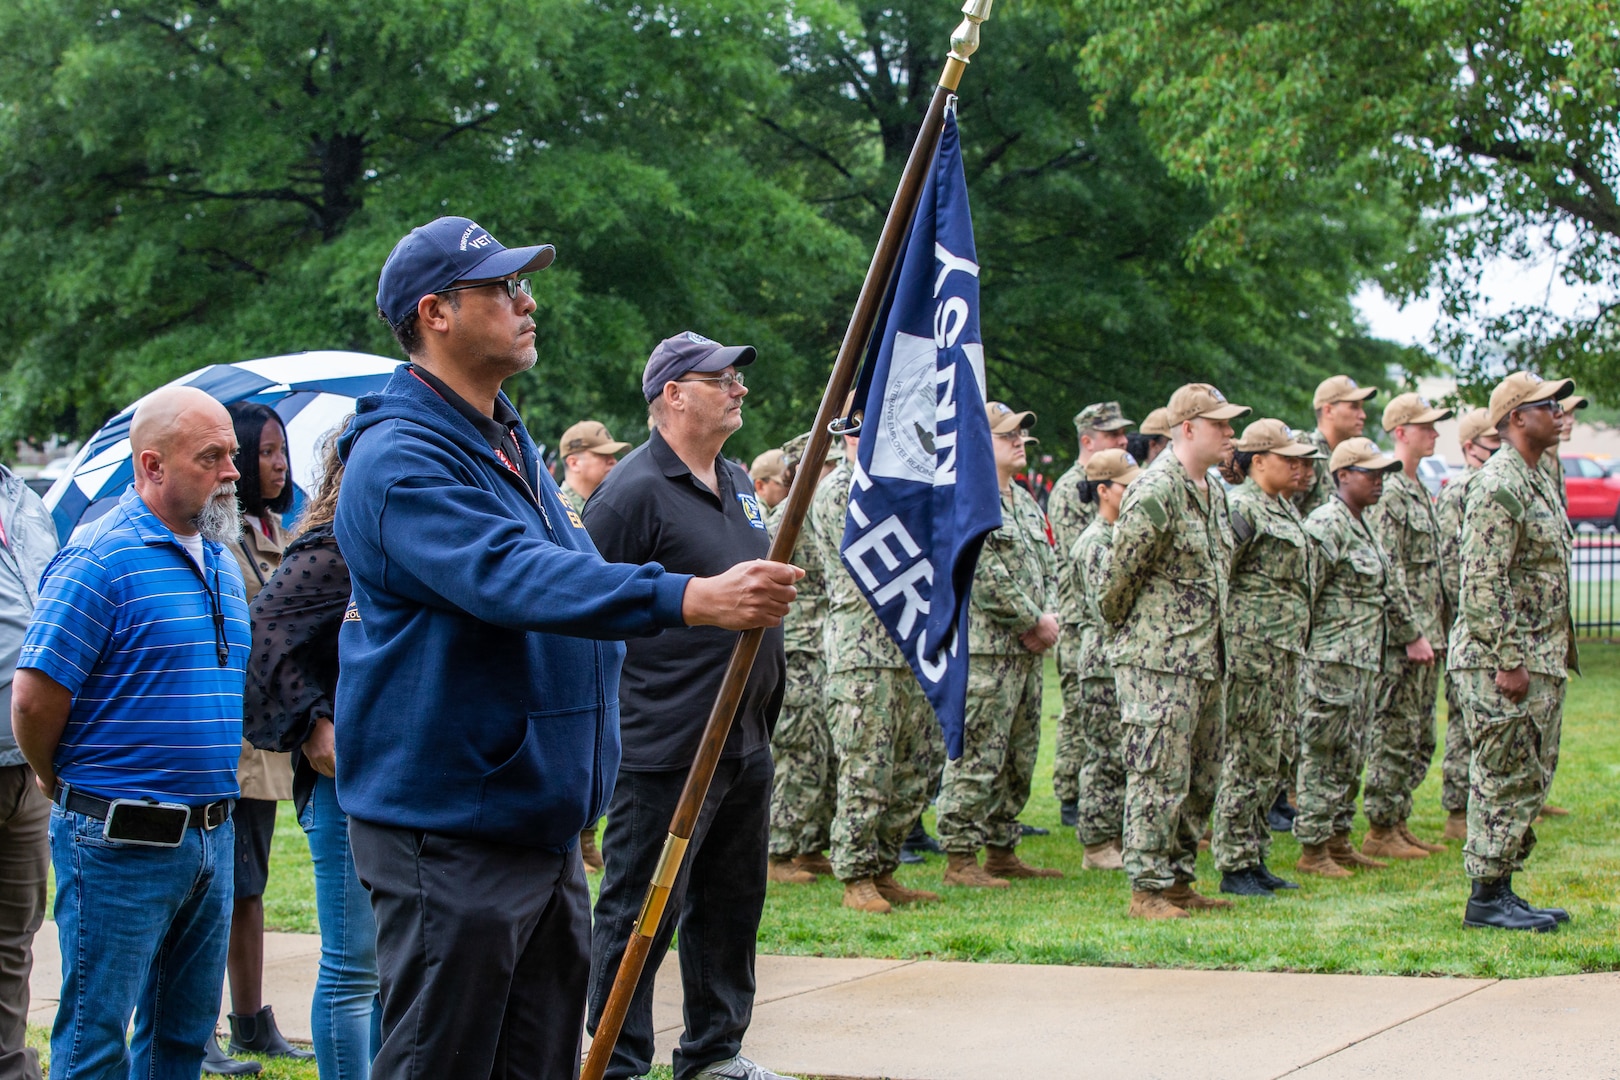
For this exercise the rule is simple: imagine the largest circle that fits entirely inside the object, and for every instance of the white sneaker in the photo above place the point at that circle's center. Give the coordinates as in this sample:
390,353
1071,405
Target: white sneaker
737,1068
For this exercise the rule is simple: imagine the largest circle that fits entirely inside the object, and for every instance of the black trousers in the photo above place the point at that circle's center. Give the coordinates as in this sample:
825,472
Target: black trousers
716,904
482,953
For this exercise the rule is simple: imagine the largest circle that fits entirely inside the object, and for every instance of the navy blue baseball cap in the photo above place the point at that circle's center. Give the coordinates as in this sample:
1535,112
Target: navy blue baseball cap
444,251
686,353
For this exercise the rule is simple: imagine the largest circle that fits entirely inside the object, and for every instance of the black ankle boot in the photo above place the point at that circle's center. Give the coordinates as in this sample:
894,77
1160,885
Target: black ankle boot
1272,881
1557,914
258,1034
1280,816
1244,882
217,1062
1493,904
1069,813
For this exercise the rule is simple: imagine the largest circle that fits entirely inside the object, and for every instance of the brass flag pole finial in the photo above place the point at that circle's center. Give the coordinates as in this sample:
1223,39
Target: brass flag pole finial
964,41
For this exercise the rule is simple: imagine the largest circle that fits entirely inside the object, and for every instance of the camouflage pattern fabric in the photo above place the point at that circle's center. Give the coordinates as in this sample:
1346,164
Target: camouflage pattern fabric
1262,701
1401,738
1102,768
1511,767
1015,582
889,749
1512,611
1321,489
1167,575
1173,728
1336,704
1553,465
571,498
1272,572
1069,517
1082,656
1513,592
852,638
802,626
1403,731
1357,606
1454,763
804,792
1069,753
985,789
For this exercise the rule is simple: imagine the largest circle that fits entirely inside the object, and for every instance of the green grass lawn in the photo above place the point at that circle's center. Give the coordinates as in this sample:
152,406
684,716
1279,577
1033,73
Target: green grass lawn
1406,920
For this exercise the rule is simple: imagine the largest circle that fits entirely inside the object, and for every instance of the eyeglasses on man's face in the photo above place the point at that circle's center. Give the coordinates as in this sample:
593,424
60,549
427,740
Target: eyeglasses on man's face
513,286
1016,435
1551,404
724,382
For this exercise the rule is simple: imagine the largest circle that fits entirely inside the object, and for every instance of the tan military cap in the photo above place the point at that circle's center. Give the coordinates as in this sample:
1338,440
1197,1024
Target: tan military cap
1003,419
1411,409
1341,388
1200,401
1359,453
1575,401
1115,465
1157,423
589,435
793,450
1473,424
771,465
1525,388
1102,416
1273,437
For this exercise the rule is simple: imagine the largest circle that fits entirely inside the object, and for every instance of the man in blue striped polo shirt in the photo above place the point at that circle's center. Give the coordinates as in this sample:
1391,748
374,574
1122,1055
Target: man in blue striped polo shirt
128,705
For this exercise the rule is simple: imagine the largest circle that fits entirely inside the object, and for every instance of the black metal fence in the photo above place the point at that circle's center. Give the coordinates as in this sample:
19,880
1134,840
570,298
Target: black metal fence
1595,585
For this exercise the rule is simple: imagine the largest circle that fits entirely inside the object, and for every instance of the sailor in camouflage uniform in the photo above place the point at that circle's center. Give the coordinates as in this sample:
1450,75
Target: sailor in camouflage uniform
1402,739
1341,414
1479,441
1165,595
805,789
1357,607
1267,623
1012,621
1512,647
884,734
1554,464
1101,810
1101,426
588,454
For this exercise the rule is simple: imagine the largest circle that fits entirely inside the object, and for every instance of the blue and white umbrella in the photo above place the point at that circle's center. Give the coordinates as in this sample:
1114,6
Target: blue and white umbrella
310,391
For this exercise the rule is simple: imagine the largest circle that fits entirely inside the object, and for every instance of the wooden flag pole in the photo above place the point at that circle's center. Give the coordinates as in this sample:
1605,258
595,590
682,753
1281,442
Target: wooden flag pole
964,42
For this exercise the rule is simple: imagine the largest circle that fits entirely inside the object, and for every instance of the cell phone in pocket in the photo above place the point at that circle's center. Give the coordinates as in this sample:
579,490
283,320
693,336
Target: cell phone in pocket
147,824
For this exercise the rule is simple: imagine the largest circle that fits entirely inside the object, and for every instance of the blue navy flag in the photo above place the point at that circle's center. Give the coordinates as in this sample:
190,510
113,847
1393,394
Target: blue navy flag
925,493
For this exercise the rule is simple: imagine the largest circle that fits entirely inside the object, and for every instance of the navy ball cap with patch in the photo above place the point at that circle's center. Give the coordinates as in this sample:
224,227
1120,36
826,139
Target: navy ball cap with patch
443,252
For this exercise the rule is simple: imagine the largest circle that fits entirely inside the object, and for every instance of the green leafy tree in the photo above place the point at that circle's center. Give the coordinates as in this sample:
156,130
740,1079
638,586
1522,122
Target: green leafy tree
1496,122
185,182
1088,290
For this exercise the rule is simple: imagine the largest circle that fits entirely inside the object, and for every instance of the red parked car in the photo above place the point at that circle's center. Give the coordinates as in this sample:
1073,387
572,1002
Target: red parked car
1594,494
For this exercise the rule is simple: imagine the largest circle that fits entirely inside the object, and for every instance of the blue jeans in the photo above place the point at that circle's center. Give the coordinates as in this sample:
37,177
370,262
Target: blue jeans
345,1016
143,932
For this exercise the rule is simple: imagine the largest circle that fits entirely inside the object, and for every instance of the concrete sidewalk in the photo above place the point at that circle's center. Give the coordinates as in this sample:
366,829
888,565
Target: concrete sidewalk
924,1020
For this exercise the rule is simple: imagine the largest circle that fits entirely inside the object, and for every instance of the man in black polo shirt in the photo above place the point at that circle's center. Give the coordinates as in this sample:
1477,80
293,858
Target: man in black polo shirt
676,501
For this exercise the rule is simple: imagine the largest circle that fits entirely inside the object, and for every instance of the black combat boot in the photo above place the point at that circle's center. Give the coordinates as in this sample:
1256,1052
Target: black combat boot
1069,813
1558,914
1493,904
1280,817
919,842
1272,881
1244,882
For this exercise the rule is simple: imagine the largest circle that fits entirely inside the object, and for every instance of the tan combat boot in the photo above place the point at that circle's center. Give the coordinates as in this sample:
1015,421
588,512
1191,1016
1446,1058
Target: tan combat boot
1183,895
1345,855
815,862
1386,842
1456,825
1406,834
962,868
1003,862
1153,905
862,895
896,893
1102,857
783,872
589,851
1316,860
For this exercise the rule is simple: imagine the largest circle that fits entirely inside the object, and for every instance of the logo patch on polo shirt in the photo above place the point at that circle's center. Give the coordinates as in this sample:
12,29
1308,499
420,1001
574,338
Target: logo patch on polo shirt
750,505
351,613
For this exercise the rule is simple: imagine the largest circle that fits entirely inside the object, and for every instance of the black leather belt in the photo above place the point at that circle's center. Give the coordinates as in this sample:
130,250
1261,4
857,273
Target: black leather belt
211,816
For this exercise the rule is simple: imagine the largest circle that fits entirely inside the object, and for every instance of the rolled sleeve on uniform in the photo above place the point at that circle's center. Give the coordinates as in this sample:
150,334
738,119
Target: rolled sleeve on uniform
72,621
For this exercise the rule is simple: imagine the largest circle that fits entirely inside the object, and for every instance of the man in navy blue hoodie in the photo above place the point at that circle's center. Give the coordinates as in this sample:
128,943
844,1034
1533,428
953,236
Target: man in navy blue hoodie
477,714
